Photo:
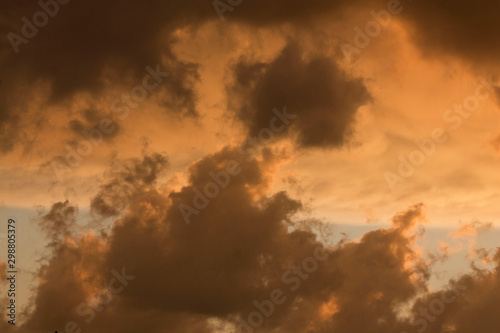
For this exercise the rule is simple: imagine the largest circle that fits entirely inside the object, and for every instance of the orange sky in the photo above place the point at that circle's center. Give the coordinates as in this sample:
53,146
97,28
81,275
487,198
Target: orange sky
410,118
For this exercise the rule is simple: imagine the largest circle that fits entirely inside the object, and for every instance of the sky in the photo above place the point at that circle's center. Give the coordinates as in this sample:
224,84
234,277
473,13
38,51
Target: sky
251,166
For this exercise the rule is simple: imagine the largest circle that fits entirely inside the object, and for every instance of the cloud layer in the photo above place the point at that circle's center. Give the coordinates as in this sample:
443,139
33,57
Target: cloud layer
251,257
243,246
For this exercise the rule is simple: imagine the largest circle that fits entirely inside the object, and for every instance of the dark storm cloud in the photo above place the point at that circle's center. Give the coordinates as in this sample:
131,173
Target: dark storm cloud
86,46
86,41
76,45
463,28
13,109
223,258
322,96
235,252
467,305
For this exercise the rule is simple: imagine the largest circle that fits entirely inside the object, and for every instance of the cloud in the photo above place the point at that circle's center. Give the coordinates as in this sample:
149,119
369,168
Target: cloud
91,47
124,180
201,276
323,97
60,221
88,47
472,229
235,251
84,50
465,29
213,276
91,119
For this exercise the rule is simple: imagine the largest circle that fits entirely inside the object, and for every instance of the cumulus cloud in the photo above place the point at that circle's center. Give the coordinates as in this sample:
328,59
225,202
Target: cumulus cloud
247,240
233,253
208,274
323,97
